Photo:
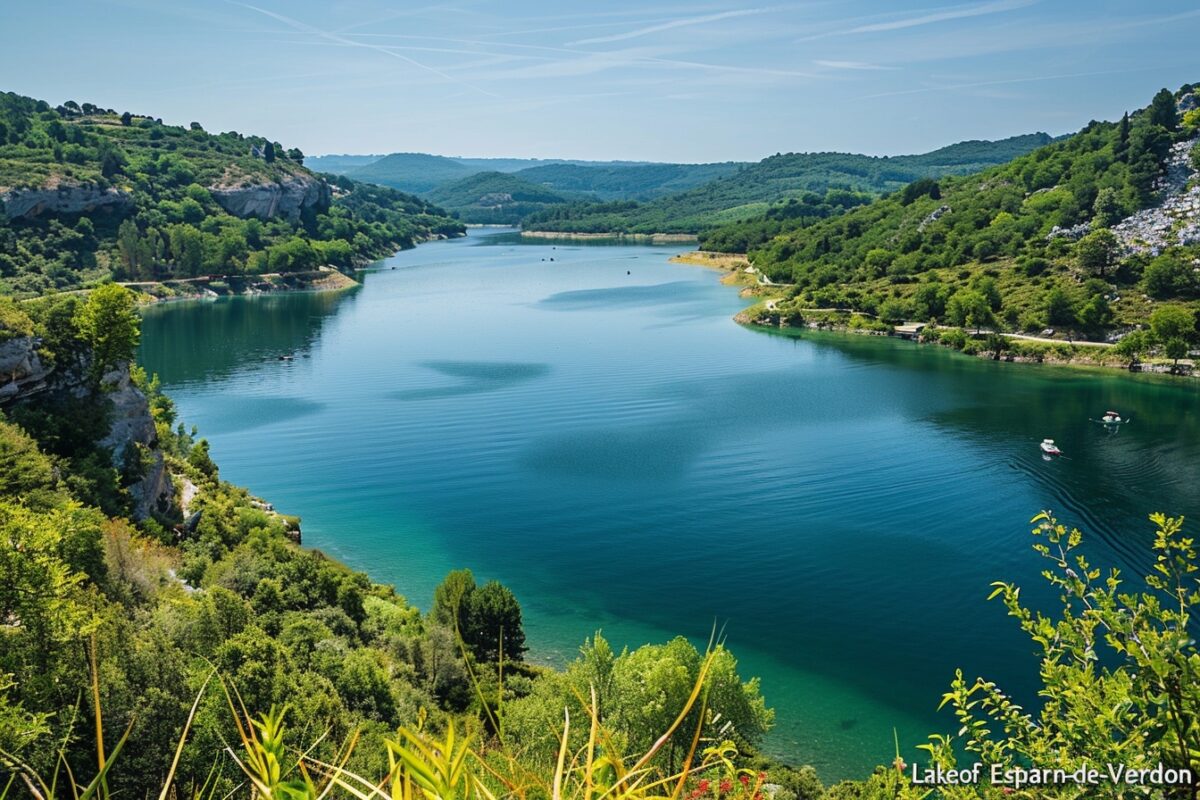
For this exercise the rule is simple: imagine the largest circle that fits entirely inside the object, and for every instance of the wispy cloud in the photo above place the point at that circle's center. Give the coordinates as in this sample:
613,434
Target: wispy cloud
850,65
887,22
953,12
675,23
978,84
333,37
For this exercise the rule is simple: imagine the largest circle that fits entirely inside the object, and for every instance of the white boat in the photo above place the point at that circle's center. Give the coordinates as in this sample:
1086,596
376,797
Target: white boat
1111,418
1050,448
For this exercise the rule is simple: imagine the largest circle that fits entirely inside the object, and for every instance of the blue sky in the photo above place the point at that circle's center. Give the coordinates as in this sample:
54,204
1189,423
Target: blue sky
652,80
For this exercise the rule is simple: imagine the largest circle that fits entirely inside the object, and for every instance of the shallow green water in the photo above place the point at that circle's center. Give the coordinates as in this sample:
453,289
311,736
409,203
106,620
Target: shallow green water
595,432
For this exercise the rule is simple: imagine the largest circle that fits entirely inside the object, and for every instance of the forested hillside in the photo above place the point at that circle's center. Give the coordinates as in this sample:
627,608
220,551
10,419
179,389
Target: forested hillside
1087,234
87,194
749,192
494,198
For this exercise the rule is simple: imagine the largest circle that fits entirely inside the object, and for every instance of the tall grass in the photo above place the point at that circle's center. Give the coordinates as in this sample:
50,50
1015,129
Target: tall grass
455,765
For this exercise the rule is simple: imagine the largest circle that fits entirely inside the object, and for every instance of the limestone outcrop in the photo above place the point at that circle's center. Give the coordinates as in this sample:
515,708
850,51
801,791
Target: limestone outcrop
286,197
22,373
132,426
65,198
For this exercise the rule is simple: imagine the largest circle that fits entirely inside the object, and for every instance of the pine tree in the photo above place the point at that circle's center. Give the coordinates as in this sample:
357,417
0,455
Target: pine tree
1121,150
1162,110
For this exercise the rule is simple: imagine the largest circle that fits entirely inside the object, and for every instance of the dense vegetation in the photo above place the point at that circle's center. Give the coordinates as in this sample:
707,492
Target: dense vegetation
748,193
411,172
494,198
149,609
637,182
1024,246
163,217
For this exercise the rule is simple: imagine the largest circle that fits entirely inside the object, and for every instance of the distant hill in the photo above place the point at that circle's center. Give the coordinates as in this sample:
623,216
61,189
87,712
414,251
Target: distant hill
749,191
518,164
617,182
412,172
421,173
338,164
494,198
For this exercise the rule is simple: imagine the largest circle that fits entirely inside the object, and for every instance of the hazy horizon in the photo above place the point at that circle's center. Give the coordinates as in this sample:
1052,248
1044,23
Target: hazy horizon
665,82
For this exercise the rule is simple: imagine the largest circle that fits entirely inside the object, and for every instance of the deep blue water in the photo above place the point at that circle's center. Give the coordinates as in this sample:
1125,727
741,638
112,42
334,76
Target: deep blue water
595,432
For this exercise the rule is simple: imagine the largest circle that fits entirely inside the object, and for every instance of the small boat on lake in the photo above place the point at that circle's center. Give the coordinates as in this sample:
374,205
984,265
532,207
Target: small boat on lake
1112,418
1050,448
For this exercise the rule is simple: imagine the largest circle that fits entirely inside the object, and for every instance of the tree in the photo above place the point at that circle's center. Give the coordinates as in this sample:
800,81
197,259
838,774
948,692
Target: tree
1175,328
1121,148
127,119
1098,251
877,261
295,154
1107,210
451,599
1162,110
929,300
269,153
924,187
1060,309
108,322
1173,322
1168,276
1095,314
969,309
493,624
1175,349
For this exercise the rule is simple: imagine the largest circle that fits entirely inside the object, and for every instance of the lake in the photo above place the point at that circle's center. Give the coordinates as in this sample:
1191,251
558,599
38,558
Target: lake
586,424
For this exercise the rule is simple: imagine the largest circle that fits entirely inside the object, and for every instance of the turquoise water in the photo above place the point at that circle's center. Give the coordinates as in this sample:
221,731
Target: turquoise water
587,425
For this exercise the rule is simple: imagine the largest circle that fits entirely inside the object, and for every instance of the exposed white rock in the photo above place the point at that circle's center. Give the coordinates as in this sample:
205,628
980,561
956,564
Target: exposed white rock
65,198
286,197
1176,218
21,371
132,425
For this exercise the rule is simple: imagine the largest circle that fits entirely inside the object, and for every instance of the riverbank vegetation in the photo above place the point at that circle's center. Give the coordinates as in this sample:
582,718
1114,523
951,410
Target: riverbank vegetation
1088,237
88,194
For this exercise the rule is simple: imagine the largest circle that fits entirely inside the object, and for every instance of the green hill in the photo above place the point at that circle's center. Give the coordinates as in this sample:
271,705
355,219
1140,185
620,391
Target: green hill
88,194
749,191
639,182
494,198
412,172
339,164
1090,233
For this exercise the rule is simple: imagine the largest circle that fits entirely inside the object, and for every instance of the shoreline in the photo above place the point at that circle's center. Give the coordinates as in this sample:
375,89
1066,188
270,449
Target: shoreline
213,287
1020,349
763,316
648,238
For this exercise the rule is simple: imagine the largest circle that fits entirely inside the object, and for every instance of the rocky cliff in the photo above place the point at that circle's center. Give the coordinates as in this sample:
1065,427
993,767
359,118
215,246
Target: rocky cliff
286,197
21,371
24,378
65,198
132,426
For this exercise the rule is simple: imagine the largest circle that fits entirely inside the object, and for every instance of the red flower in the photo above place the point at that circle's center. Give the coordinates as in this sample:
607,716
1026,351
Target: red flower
703,786
745,779
726,785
